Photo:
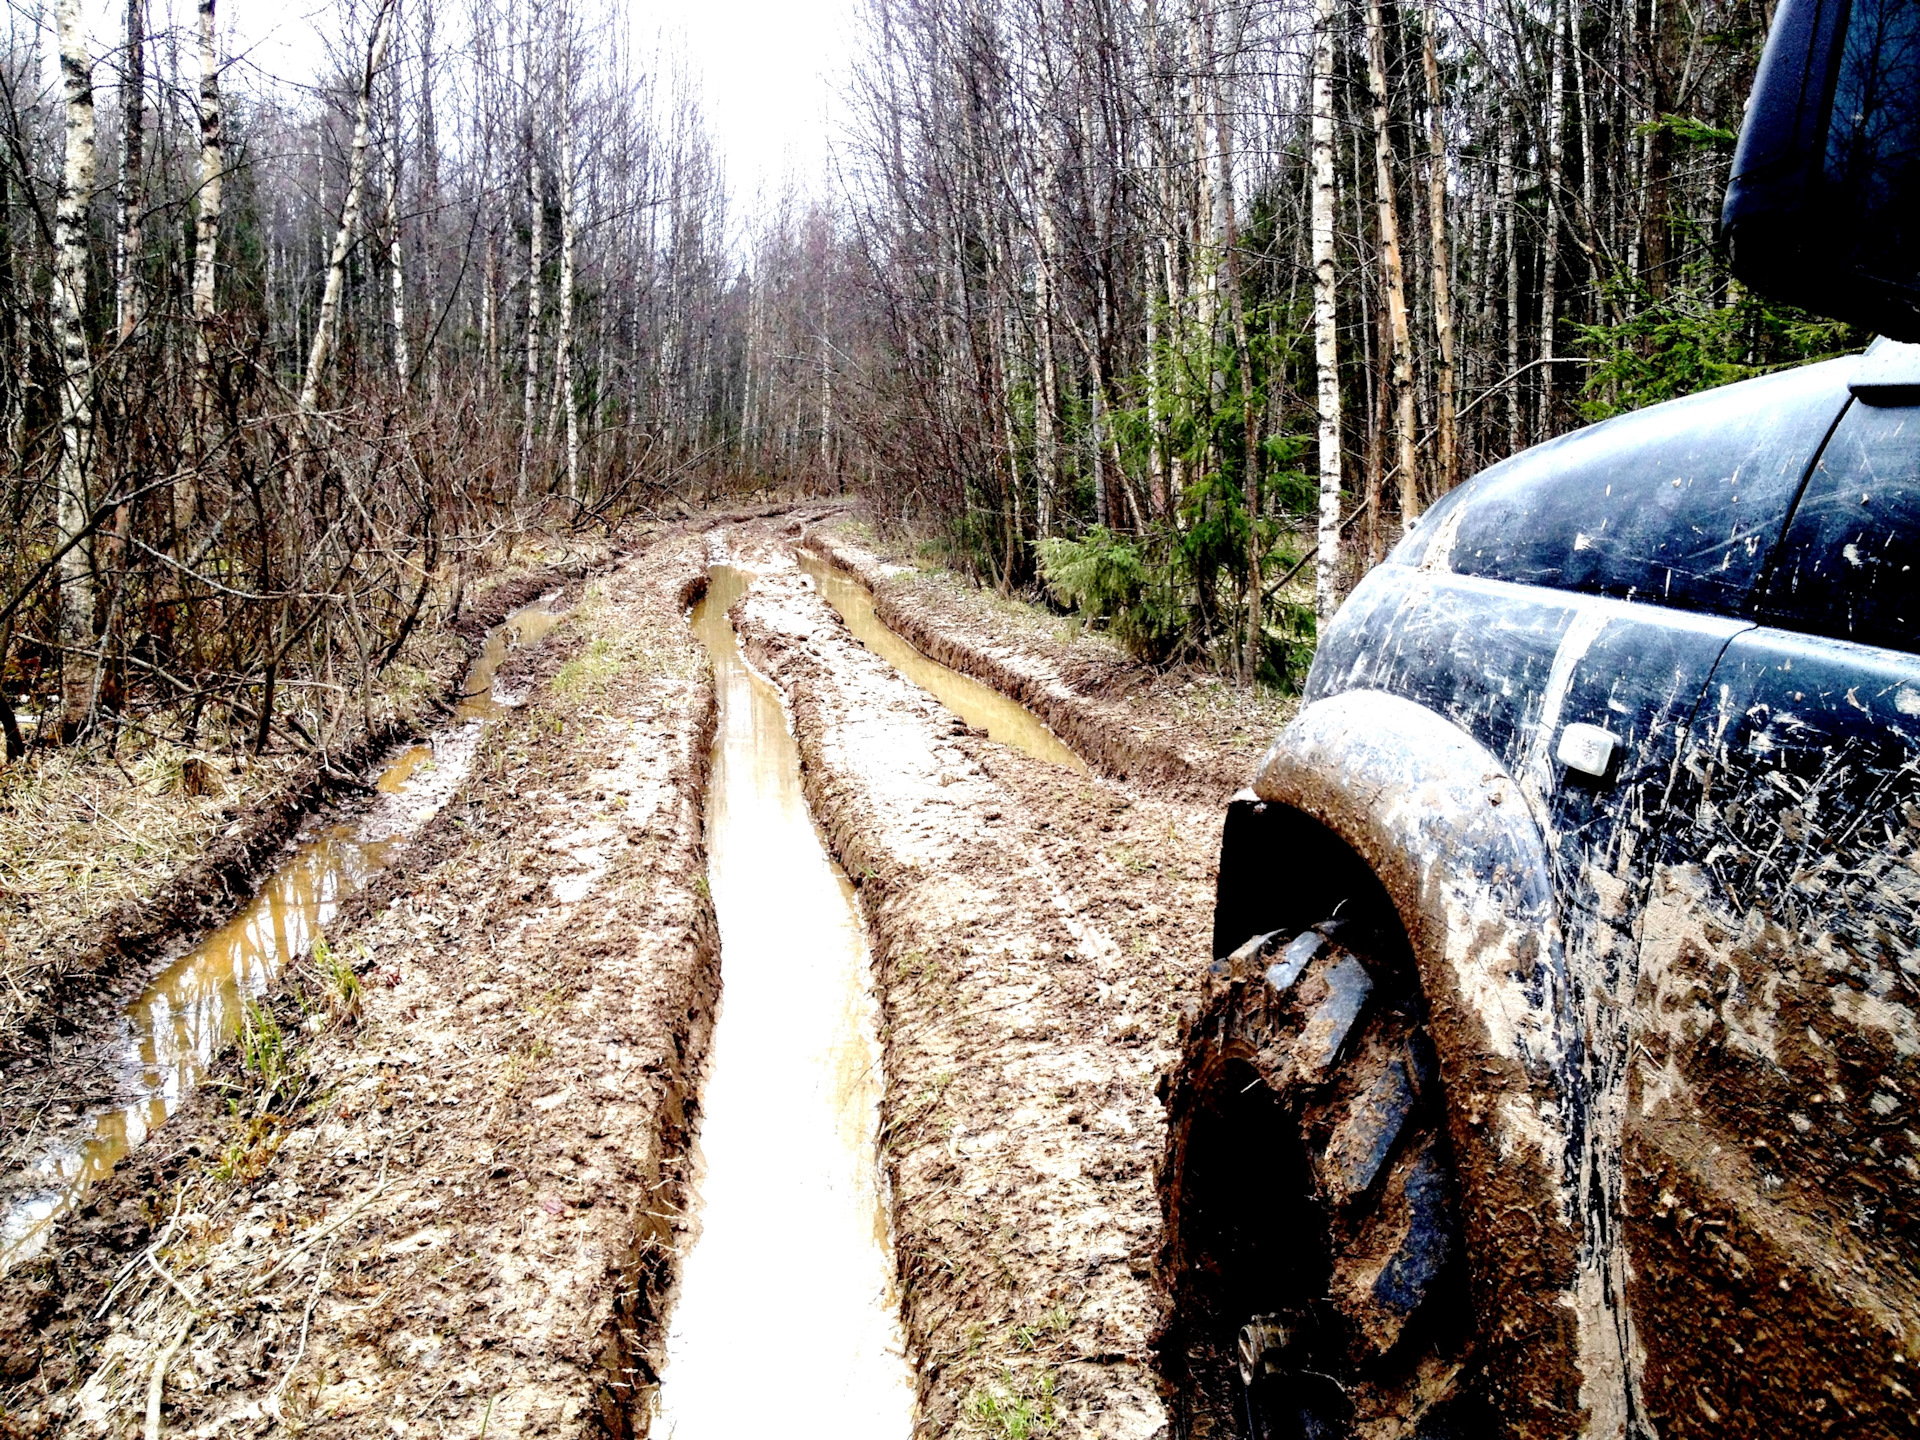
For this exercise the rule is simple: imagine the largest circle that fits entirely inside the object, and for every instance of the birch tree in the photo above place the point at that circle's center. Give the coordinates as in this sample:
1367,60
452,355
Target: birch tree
73,197
1447,444
569,230
133,101
1326,328
1392,276
1550,257
349,209
206,225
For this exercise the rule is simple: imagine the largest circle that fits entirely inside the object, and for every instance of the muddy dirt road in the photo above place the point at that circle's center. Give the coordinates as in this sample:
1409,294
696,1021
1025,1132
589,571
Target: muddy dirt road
482,1162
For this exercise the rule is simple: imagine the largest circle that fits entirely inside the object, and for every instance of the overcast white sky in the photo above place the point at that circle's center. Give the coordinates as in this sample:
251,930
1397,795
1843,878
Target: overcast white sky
767,67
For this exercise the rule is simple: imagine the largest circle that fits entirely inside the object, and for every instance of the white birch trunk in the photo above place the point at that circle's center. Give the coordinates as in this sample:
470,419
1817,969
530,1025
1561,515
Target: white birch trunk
75,624
206,227
1156,465
1550,262
536,259
569,231
1046,443
1207,296
396,273
349,214
1588,219
1326,332
826,390
1393,276
1448,441
1509,209
133,100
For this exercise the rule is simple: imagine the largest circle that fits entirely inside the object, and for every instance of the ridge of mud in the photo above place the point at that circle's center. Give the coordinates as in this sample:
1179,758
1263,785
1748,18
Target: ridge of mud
115,953
1127,719
1022,1041
808,511
473,1196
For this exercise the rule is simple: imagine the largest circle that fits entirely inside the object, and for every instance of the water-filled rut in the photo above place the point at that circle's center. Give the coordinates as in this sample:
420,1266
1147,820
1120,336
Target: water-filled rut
786,1318
981,706
170,1034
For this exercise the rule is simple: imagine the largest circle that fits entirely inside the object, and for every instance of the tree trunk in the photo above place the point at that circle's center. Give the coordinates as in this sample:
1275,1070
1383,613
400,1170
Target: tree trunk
569,232
1046,442
1228,225
1656,208
1589,218
349,211
75,626
206,227
1392,276
826,390
396,269
1447,466
1510,212
1156,461
536,258
133,98
1326,329
1550,259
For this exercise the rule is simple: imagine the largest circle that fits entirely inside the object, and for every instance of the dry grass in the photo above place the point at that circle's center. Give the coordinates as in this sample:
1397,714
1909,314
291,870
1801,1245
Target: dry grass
78,837
82,832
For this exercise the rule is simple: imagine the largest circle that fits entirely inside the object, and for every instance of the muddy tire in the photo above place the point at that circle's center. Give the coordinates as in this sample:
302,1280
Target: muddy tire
1313,1251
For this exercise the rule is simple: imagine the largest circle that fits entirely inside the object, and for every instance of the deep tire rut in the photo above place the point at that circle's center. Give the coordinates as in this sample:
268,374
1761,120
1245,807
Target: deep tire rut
1027,924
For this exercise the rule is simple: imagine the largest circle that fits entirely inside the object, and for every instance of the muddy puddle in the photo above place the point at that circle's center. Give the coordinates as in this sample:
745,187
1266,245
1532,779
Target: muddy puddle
786,1321
169,1035
981,706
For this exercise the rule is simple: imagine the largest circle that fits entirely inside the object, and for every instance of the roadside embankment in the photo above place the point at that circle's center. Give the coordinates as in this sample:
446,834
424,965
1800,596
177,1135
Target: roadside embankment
1033,931
1189,735
436,1188
107,862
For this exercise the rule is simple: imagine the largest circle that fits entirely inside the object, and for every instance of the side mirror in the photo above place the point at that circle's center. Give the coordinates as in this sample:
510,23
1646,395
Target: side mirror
1824,207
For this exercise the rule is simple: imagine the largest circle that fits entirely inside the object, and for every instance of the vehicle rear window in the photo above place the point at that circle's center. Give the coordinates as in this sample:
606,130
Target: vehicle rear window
1850,564
1676,505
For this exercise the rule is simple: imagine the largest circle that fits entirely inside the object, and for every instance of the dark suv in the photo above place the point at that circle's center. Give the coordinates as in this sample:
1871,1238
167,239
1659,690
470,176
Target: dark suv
1558,1067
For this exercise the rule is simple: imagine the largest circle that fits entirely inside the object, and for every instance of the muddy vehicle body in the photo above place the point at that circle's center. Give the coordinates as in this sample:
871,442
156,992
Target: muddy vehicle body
1558,1068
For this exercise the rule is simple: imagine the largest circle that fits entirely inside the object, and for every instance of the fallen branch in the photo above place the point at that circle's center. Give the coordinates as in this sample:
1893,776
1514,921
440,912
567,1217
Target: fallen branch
157,1386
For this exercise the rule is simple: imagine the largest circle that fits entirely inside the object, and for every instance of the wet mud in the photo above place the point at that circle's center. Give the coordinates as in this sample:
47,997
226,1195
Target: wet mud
116,953
441,1195
451,1185
171,1032
789,1234
1185,736
984,708
1034,931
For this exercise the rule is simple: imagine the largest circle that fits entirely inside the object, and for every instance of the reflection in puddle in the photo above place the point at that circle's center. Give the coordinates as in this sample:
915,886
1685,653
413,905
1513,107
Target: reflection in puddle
183,1019
786,1320
981,706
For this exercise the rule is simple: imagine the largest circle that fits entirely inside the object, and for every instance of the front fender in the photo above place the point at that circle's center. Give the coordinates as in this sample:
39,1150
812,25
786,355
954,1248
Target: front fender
1442,826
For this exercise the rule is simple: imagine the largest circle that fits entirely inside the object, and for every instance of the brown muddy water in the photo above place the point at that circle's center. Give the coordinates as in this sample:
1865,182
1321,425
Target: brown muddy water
786,1321
171,1033
981,706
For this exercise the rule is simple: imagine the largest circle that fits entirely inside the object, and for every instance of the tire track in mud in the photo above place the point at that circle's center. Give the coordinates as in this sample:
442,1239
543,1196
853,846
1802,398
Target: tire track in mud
457,1204
1033,931
1087,702
112,957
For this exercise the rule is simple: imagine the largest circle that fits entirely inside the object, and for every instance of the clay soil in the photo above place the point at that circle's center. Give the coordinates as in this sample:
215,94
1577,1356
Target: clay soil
106,863
437,1196
440,1187
1035,933
1179,732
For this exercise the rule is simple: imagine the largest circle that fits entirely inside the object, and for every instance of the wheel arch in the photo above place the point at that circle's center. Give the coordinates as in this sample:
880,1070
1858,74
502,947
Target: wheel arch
1370,782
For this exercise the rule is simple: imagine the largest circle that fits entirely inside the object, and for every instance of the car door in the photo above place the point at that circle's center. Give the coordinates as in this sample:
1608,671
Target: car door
1772,1146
